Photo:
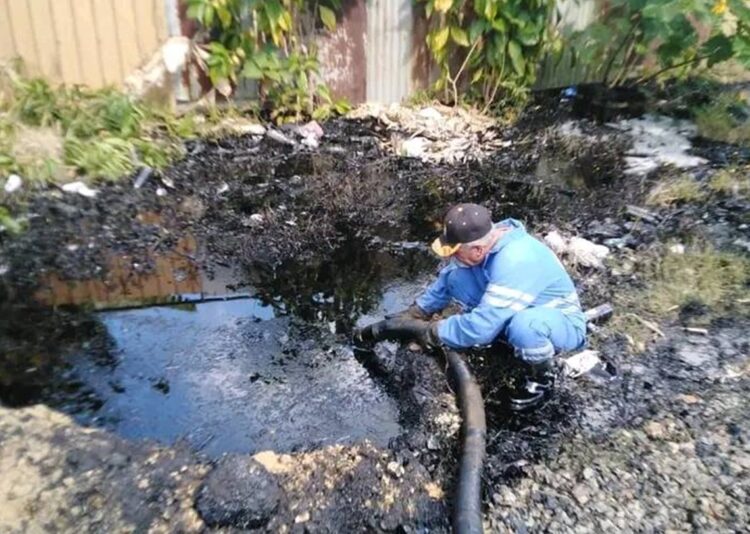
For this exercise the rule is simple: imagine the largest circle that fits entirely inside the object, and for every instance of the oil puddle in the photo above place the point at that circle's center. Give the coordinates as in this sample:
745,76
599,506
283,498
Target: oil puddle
178,355
231,376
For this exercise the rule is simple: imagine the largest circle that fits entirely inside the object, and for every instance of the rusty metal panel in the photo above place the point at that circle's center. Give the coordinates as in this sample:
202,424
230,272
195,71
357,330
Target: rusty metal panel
390,25
342,53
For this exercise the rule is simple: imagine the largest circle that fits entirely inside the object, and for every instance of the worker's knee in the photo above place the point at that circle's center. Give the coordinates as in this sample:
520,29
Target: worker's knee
530,338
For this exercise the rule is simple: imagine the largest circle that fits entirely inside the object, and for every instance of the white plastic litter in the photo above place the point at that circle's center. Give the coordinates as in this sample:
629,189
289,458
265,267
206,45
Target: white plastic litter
430,114
578,250
80,188
311,130
175,53
13,183
583,252
415,147
657,141
279,137
580,363
556,242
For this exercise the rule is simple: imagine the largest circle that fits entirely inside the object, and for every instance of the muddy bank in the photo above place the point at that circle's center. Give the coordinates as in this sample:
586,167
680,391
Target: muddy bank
59,475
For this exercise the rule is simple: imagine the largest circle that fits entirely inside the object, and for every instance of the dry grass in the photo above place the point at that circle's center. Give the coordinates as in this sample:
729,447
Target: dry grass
683,188
703,275
725,120
720,281
39,152
731,182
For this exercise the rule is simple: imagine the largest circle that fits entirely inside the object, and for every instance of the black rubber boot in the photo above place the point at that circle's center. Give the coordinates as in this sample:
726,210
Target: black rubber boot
535,387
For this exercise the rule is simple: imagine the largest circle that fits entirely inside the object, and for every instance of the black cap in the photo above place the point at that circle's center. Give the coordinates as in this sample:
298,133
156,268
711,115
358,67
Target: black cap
463,223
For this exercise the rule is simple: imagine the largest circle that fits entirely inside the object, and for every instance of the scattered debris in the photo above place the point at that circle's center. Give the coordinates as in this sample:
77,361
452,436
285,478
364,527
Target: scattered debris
677,248
144,175
648,324
13,183
395,468
580,363
437,133
302,518
311,134
278,137
642,214
156,74
693,330
579,251
238,126
658,140
414,148
80,188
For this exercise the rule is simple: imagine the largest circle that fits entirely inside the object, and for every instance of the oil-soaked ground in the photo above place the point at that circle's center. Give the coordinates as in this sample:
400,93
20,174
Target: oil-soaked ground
228,370
316,242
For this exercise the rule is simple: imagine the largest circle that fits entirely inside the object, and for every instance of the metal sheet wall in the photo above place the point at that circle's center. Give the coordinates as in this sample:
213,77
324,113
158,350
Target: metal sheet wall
390,25
92,42
571,15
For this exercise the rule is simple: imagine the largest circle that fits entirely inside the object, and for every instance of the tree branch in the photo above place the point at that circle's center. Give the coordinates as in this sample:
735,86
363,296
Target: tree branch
658,73
610,63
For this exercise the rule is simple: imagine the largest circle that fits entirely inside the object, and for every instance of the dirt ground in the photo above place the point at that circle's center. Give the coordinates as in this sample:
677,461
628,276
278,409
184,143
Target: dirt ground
663,447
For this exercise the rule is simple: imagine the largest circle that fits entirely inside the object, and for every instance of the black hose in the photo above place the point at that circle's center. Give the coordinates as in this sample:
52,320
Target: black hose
467,507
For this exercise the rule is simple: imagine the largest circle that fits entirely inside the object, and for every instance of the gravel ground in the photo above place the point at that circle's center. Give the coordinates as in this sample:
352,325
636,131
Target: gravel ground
681,463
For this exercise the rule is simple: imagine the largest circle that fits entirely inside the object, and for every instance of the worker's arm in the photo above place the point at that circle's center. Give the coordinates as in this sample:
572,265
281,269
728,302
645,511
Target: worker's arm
510,290
436,297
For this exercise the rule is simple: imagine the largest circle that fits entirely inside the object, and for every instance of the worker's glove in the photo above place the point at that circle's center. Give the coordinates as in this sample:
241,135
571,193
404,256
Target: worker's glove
429,337
412,312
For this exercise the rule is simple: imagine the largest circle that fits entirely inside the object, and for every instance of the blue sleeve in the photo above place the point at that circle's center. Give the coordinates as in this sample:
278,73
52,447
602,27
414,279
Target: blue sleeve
436,297
511,288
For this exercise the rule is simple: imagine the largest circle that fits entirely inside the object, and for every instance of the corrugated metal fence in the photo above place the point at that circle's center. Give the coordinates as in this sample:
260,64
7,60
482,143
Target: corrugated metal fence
100,42
93,42
390,25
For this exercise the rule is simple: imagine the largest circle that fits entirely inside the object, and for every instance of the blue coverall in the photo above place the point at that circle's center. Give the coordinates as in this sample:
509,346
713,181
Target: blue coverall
520,294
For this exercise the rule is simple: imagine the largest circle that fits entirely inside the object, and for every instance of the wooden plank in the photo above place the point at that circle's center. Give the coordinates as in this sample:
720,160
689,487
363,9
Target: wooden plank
160,21
145,28
67,47
7,45
109,47
88,47
44,34
23,36
130,54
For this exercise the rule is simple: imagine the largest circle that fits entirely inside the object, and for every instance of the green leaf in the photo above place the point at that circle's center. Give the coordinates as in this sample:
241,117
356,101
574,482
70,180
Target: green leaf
442,6
208,15
490,9
439,39
196,11
251,70
459,36
428,8
328,17
225,16
476,29
719,48
516,57
530,35
477,75
500,25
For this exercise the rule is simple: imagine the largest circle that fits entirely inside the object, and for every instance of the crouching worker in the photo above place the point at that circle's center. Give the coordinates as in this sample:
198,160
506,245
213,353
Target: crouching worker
511,288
